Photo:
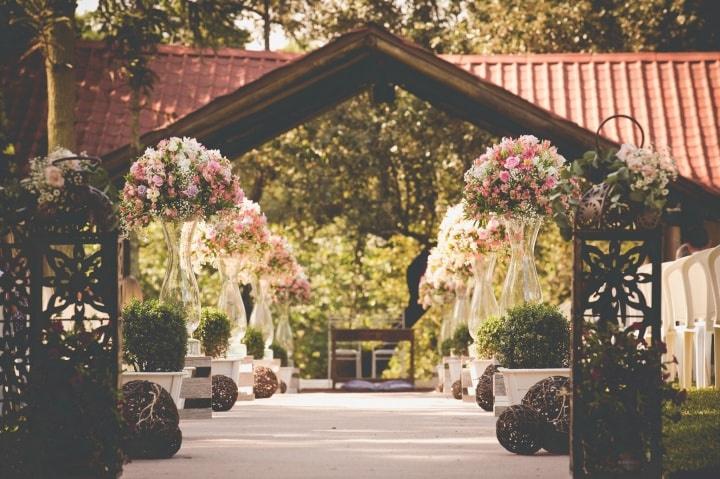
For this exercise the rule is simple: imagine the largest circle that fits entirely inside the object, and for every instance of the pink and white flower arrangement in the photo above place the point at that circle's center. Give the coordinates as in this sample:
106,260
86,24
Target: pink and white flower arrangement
240,232
49,178
450,263
278,262
649,173
519,177
293,289
178,180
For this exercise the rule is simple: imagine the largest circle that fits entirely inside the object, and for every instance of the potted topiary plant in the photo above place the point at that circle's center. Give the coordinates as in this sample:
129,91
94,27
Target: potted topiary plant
155,344
214,334
255,343
530,342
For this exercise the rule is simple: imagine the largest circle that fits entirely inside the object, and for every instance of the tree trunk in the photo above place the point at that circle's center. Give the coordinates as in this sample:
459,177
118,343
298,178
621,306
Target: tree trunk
266,24
58,38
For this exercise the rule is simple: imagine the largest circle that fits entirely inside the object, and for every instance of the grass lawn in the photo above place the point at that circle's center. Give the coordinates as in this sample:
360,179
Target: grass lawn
692,445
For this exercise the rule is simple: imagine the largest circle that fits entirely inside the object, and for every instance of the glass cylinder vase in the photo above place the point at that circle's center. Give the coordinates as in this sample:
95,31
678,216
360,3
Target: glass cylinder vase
230,302
261,318
521,283
461,309
483,303
447,326
283,332
180,286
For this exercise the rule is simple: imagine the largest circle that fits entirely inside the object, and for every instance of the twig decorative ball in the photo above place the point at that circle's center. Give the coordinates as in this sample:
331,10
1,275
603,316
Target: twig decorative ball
518,430
224,393
484,395
282,387
266,383
551,400
457,389
151,419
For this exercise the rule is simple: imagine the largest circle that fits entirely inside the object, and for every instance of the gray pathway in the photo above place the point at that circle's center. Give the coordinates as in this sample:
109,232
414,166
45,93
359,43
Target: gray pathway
320,435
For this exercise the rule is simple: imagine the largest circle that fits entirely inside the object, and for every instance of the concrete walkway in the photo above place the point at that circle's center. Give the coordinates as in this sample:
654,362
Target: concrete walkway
371,435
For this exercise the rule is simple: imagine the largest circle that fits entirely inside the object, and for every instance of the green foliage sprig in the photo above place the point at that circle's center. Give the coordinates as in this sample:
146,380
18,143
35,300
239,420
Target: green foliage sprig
280,353
255,343
527,336
154,336
622,385
214,332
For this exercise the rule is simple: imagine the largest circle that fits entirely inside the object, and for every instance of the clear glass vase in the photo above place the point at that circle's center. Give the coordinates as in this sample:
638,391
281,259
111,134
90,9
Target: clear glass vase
447,326
260,318
180,286
461,310
283,332
483,303
521,283
230,302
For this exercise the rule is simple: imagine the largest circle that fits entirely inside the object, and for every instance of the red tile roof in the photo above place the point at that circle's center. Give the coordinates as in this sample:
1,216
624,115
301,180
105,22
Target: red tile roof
675,96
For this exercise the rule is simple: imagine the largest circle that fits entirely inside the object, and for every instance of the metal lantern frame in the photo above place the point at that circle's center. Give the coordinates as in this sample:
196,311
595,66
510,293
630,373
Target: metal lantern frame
609,287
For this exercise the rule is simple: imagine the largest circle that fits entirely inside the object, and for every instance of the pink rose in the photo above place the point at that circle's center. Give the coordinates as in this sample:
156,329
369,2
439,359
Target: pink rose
550,182
54,177
504,176
157,180
512,162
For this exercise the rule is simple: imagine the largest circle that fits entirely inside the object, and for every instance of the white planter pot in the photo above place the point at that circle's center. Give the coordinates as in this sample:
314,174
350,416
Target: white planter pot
516,382
285,375
477,368
452,367
170,381
229,367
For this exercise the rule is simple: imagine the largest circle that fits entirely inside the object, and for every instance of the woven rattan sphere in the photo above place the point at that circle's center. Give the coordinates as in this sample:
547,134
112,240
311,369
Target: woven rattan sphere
484,391
518,430
551,400
266,383
152,419
224,393
283,387
457,389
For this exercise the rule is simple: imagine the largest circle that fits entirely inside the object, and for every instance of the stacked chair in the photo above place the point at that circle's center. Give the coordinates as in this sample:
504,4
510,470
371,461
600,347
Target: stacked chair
691,315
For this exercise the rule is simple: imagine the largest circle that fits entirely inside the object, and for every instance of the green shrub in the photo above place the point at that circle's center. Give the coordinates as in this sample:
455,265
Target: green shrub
279,353
214,332
446,347
692,445
461,341
154,336
255,343
527,336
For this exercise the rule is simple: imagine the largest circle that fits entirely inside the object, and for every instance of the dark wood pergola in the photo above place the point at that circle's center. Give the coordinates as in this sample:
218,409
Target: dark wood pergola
370,58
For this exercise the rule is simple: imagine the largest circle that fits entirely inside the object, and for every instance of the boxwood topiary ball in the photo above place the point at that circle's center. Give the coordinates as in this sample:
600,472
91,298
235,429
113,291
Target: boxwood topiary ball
518,430
457,389
484,395
550,399
151,419
224,393
266,383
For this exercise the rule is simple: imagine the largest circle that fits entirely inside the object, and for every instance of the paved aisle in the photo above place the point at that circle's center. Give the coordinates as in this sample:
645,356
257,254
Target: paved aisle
316,435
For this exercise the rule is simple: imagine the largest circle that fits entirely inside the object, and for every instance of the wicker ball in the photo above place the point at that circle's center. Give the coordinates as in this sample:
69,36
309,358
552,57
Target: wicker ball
224,393
550,399
518,429
457,389
282,387
484,395
266,383
151,419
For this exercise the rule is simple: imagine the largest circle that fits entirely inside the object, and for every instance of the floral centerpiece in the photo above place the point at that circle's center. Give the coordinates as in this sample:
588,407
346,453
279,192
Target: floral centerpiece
523,180
178,182
289,290
634,179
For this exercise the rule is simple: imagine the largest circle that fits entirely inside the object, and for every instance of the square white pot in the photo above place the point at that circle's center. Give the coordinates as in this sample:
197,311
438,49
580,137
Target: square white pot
229,367
170,381
516,382
285,375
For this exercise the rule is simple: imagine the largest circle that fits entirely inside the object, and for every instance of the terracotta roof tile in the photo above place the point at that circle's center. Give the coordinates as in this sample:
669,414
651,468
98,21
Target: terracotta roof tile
675,96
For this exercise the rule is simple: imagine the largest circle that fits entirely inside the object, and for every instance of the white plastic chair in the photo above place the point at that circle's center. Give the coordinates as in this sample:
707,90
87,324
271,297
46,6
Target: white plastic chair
702,309
713,262
676,299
